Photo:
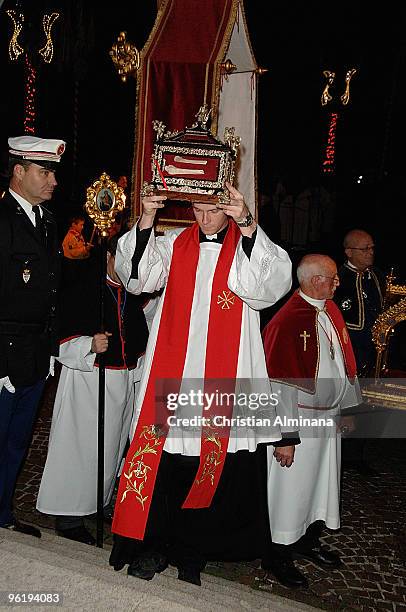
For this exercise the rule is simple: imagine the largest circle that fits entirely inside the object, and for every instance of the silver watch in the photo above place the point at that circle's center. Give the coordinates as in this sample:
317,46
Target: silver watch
246,222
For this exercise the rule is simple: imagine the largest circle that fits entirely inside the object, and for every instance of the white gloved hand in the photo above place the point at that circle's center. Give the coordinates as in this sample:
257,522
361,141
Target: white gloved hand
51,367
5,382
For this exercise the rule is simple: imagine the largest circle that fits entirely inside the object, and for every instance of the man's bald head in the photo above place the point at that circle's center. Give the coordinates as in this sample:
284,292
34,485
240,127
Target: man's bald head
353,237
359,248
317,276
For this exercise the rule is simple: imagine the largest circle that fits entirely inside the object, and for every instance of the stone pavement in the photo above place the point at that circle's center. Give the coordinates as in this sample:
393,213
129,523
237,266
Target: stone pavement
78,578
371,542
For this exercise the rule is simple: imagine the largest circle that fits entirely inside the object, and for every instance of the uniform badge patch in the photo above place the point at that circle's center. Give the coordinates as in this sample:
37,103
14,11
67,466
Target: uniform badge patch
26,275
346,304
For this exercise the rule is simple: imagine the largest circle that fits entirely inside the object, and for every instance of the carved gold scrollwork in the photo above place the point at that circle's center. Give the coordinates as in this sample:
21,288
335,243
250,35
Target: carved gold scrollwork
125,57
393,292
383,328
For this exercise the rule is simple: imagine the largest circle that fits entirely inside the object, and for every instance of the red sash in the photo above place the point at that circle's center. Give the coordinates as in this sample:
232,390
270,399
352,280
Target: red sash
141,466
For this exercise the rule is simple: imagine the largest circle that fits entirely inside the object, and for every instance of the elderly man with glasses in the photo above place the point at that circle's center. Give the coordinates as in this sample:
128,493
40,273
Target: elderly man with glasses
360,296
312,370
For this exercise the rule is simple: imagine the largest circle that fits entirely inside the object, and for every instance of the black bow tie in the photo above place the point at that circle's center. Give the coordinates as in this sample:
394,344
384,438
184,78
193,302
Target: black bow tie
219,236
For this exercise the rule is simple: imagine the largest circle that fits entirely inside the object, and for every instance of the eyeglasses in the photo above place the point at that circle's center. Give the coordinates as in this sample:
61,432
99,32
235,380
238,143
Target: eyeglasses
335,278
365,249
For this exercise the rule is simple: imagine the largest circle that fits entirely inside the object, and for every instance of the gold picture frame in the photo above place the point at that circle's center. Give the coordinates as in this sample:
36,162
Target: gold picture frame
104,200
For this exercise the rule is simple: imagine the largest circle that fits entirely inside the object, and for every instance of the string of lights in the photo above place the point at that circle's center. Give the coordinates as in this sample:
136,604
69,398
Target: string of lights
328,165
30,93
46,52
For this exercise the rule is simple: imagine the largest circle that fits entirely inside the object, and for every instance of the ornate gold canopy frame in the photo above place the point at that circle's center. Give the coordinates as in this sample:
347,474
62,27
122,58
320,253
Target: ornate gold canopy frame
387,392
384,327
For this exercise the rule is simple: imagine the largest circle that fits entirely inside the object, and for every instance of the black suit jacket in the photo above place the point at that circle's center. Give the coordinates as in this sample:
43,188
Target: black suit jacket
29,278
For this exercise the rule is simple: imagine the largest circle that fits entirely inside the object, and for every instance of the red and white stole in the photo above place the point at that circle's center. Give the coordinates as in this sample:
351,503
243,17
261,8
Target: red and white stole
223,339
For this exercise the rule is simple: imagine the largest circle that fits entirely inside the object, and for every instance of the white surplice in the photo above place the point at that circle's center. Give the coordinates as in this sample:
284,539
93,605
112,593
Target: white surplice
309,490
69,482
259,281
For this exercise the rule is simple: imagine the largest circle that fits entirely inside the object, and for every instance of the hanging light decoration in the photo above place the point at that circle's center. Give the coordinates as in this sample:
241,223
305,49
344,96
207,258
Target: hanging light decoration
345,98
14,47
29,105
326,96
328,164
47,51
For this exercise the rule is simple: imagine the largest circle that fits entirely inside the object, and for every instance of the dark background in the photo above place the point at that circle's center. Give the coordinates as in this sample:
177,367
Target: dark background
81,99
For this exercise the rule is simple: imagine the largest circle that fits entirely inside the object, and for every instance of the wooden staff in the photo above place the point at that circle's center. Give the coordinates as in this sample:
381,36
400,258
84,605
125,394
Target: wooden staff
101,404
92,236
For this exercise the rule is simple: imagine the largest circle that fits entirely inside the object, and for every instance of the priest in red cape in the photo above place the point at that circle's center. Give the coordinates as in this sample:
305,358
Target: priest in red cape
312,369
191,495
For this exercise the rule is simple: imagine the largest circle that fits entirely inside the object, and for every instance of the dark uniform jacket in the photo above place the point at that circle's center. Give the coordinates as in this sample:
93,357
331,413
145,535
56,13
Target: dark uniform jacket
360,299
29,277
123,318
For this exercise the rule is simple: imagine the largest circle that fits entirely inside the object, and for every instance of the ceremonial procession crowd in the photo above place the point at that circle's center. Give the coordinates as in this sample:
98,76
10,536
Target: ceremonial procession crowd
257,478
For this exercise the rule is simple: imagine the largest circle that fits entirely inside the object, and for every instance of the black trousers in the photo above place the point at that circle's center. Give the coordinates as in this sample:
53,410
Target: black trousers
17,415
309,540
234,528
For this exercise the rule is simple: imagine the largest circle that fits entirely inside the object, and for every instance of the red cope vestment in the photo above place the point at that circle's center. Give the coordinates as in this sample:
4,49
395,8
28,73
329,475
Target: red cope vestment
291,343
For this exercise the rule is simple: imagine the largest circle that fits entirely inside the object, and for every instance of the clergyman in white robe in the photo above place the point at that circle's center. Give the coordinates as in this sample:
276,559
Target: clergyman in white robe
309,490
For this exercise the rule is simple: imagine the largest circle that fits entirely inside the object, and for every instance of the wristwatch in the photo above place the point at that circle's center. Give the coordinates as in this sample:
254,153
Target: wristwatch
246,222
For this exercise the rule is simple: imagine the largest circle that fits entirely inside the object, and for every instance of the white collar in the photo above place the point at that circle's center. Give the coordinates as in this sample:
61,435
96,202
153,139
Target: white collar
319,304
212,237
26,206
350,265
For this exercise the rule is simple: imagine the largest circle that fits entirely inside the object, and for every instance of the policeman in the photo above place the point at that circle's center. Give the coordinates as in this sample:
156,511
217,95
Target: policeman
29,275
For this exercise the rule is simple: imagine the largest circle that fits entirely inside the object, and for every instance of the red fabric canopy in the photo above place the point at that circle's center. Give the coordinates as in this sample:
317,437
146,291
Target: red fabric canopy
179,72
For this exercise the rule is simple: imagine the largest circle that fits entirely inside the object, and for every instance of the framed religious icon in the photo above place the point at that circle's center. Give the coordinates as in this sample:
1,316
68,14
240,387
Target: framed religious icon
104,200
